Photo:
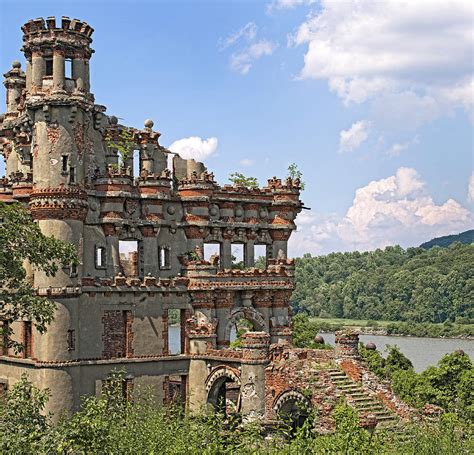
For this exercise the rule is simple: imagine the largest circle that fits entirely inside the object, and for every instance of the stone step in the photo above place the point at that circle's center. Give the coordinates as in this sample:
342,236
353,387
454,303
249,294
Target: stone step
370,407
351,388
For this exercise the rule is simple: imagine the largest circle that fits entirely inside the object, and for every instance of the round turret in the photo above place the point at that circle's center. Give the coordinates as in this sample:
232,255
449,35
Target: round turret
57,56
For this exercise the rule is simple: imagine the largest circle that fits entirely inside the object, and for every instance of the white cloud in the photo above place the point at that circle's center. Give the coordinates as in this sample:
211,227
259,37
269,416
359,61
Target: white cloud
397,148
252,50
411,53
194,147
470,189
247,162
247,33
394,210
242,61
352,139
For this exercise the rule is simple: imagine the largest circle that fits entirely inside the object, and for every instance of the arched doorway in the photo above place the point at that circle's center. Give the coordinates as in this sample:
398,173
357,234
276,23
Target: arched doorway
223,390
293,409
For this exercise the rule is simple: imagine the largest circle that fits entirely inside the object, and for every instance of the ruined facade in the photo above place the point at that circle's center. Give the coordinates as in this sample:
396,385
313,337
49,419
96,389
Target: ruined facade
74,166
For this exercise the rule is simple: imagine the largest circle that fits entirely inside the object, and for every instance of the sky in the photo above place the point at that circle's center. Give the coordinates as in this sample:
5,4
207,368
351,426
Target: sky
373,100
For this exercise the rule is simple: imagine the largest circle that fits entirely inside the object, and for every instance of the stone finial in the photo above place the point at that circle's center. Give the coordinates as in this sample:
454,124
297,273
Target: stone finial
16,64
149,123
113,120
318,339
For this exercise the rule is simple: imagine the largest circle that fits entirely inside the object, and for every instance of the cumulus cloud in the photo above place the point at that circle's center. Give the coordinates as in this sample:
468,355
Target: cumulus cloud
394,210
397,148
407,54
241,60
352,139
195,147
470,189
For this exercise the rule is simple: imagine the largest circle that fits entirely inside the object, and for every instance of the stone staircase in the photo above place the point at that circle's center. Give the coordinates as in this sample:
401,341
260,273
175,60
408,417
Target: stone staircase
362,401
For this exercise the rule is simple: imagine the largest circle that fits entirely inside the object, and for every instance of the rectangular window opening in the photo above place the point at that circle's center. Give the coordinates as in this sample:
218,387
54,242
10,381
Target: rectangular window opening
100,257
260,256
175,390
72,174
237,256
174,331
27,341
165,258
73,270
71,340
68,68
128,251
136,163
48,67
65,163
211,251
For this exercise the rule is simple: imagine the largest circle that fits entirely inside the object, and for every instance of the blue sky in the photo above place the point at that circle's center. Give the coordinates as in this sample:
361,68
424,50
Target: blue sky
372,100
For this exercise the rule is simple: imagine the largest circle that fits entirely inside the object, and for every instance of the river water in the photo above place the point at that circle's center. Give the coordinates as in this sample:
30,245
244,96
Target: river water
422,352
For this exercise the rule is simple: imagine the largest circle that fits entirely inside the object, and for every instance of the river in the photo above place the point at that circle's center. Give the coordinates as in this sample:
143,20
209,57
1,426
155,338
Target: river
422,352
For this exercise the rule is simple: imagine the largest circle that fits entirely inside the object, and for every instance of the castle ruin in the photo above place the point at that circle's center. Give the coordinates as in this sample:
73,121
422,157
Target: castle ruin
143,232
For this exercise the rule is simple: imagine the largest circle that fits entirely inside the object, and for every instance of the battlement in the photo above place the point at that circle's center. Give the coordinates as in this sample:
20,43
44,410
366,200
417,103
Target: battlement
39,26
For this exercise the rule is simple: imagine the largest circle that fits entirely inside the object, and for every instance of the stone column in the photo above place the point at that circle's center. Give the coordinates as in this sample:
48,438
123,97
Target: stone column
199,343
249,253
226,254
113,255
87,84
38,70
28,75
78,69
255,359
58,71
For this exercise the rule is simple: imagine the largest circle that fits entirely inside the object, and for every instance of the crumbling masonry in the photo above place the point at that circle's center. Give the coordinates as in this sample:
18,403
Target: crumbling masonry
63,160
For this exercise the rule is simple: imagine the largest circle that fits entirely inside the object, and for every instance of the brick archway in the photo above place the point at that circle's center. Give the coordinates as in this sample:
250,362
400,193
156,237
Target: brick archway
217,386
250,314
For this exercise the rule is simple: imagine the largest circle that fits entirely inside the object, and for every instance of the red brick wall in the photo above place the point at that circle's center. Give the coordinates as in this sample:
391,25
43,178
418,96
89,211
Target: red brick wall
118,334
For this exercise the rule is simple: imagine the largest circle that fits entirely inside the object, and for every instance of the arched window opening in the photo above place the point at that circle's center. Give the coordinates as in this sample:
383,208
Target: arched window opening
224,393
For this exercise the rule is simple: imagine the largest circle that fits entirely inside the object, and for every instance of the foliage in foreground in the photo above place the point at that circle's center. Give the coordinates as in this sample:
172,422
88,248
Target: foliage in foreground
110,424
449,385
21,240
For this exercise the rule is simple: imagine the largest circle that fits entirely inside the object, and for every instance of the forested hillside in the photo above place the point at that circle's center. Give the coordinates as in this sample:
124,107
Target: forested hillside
445,241
415,285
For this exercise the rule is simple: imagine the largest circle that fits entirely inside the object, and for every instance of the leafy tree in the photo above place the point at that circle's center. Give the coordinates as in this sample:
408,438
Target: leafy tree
414,286
295,173
396,361
22,241
239,179
123,143
22,424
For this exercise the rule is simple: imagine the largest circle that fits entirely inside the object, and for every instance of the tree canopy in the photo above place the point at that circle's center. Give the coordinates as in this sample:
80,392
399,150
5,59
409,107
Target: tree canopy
394,284
22,240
